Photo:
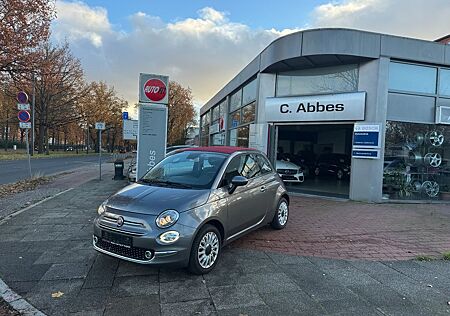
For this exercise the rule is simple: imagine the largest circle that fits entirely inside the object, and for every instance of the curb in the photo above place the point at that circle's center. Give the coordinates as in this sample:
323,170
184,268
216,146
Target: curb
17,302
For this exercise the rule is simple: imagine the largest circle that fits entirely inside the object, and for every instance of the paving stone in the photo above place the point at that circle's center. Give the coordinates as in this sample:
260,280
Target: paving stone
171,274
89,300
199,307
67,271
270,282
42,298
66,256
282,258
292,303
25,272
133,305
132,269
380,295
260,310
351,276
180,291
135,286
22,287
235,296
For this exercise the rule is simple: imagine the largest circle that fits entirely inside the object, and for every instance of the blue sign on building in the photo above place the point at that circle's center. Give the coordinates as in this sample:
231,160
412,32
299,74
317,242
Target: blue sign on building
125,115
366,139
366,153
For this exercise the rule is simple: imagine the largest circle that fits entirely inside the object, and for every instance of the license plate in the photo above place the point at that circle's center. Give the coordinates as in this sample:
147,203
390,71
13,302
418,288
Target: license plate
117,239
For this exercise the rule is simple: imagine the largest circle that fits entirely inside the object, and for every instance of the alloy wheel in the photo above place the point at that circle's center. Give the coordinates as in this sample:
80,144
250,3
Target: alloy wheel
283,213
208,250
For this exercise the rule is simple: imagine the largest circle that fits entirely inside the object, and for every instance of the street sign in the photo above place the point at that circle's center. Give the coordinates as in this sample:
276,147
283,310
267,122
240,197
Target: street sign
25,124
130,129
125,115
100,125
23,106
24,116
22,97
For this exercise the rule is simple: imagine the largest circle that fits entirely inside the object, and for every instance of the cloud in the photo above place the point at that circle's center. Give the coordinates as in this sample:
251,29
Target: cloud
412,18
203,53
76,20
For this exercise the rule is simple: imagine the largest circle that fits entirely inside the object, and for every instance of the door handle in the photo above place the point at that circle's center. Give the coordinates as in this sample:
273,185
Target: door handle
263,188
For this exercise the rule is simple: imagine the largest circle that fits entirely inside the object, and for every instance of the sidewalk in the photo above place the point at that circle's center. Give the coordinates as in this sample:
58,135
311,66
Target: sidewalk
47,250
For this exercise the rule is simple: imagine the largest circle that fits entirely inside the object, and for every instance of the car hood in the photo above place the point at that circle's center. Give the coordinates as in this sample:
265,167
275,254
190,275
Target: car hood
281,164
152,200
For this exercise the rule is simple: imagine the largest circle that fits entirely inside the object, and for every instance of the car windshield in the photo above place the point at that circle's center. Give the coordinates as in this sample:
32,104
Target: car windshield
188,169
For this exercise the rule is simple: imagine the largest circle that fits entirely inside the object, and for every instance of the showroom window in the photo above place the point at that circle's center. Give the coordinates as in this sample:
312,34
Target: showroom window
444,82
412,78
334,79
204,129
218,124
242,114
416,161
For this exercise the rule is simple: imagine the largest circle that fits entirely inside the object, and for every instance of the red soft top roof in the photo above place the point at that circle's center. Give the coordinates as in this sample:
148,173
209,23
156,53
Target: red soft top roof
217,149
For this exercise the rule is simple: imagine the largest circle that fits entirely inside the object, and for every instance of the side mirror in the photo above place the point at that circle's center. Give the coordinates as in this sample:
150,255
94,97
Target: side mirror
237,181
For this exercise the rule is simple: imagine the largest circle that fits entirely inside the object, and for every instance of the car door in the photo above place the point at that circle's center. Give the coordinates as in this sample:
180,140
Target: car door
269,182
245,206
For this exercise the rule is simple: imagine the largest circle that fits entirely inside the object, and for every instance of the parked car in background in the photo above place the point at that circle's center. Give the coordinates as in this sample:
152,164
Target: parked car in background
337,165
289,171
190,205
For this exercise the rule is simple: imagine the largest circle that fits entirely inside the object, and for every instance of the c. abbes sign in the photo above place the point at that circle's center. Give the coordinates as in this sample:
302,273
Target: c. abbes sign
155,90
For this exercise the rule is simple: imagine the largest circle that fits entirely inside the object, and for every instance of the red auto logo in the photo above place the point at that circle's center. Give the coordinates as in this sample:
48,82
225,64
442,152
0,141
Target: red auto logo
155,89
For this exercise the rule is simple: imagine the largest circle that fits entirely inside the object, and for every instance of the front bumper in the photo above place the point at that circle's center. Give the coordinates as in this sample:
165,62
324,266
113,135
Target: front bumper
297,177
144,248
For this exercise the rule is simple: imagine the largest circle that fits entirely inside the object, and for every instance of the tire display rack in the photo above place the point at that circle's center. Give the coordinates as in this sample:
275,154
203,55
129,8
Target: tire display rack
420,177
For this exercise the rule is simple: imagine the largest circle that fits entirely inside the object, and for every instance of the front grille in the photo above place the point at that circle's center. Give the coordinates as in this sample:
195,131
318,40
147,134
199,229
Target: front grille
129,252
288,178
287,171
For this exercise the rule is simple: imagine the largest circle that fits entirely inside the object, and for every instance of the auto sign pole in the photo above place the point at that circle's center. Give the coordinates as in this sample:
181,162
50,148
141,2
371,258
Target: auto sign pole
100,151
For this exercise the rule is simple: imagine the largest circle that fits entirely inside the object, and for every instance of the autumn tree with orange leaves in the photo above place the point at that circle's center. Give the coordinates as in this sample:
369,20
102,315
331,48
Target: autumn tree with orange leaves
24,27
181,114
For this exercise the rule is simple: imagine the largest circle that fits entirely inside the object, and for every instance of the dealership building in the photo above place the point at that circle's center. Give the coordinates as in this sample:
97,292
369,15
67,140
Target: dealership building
363,115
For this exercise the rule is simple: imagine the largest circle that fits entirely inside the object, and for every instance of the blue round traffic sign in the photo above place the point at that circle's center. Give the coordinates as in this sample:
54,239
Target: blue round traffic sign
24,116
22,97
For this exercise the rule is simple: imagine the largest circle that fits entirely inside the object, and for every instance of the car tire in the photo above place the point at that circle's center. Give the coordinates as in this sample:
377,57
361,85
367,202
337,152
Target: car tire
281,216
340,174
200,255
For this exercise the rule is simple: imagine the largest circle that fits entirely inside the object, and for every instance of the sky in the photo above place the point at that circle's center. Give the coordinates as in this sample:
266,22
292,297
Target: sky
203,44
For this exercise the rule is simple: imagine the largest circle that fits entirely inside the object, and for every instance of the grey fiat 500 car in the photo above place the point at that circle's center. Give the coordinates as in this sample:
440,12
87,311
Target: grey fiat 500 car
191,204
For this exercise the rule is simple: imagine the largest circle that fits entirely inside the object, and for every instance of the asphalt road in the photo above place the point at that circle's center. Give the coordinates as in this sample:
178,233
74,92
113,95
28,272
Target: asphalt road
15,170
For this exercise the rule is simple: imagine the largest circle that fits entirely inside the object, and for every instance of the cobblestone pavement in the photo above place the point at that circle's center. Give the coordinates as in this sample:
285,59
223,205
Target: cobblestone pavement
47,250
350,230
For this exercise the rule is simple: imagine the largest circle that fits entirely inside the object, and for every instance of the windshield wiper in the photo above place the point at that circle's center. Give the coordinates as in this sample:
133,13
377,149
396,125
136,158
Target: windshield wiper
166,183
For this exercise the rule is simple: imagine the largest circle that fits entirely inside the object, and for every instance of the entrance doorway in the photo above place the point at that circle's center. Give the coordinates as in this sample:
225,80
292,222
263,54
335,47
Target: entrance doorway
321,152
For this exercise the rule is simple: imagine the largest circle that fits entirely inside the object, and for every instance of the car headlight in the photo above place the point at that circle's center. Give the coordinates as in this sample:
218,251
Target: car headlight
167,218
101,208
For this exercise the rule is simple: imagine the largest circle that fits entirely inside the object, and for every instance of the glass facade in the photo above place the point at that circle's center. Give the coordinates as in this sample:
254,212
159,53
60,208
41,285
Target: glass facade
444,82
412,78
242,113
416,161
342,78
204,129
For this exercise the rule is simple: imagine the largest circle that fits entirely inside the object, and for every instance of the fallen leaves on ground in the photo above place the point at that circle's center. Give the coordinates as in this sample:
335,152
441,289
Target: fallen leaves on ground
22,186
57,294
6,310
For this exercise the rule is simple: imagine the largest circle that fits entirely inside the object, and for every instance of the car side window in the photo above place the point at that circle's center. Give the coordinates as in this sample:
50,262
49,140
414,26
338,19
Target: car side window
250,167
264,164
242,165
